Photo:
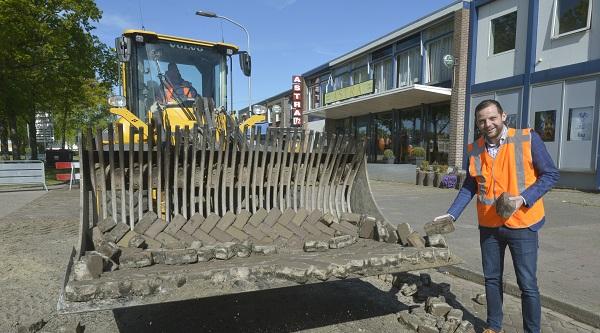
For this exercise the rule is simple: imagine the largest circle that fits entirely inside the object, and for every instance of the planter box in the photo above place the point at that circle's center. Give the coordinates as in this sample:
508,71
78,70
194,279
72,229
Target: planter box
420,177
437,179
428,181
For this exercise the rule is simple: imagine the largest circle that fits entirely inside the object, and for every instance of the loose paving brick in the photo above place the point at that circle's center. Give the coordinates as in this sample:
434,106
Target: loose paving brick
257,218
226,221
415,240
145,223
325,229
124,242
169,241
109,250
175,225
135,259
282,231
367,228
272,217
287,216
220,235
314,216
341,241
180,257
137,241
210,222
392,234
241,219
204,237
116,233
151,243
107,224
328,219
225,251
193,223
264,249
404,230
297,230
156,228
184,237
343,230
237,233
441,226
300,216
352,218
254,232
315,246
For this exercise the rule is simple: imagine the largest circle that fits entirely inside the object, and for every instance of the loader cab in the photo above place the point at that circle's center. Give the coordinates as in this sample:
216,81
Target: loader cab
152,89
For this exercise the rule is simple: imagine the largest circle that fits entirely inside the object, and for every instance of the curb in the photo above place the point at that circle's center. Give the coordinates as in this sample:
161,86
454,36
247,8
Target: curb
582,315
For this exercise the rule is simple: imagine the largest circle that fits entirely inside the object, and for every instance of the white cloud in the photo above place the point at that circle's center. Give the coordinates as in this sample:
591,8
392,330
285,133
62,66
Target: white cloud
279,4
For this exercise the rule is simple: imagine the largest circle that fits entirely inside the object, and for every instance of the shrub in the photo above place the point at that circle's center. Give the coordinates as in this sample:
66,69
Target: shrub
424,165
388,154
418,152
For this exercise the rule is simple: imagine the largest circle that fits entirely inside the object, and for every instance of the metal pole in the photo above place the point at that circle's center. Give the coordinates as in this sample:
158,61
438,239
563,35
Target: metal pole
247,50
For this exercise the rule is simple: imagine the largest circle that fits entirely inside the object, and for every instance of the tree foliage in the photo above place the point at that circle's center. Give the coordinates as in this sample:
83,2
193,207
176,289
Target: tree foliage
50,61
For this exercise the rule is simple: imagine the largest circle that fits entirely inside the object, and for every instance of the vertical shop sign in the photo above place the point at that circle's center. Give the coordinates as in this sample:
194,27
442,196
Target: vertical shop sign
296,100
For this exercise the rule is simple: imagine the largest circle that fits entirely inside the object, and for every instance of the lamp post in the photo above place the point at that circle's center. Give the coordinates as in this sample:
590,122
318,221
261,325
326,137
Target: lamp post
214,15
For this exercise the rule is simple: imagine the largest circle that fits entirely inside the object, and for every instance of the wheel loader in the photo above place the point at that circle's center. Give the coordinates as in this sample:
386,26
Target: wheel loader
180,200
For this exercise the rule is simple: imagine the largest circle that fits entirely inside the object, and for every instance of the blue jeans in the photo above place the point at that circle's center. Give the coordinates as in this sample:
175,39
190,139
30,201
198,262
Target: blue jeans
523,246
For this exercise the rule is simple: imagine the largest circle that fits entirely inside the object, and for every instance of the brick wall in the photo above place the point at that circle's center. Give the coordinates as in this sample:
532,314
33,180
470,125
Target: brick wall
457,101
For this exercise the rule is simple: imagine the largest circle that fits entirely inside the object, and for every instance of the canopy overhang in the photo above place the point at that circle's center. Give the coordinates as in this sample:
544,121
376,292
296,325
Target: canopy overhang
399,98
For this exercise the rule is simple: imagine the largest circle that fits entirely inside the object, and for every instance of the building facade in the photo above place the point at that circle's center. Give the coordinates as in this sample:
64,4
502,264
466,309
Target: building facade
396,93
541,60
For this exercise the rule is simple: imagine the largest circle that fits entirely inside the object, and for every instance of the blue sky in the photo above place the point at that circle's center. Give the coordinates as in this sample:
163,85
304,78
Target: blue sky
287,37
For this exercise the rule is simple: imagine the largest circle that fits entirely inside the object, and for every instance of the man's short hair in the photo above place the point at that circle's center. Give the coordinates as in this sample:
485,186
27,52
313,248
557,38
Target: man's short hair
488,102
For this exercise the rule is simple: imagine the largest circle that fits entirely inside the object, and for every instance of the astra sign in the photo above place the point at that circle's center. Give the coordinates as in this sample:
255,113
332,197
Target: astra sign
296,100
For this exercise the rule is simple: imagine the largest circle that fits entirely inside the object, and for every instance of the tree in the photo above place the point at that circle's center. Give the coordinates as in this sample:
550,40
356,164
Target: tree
50,61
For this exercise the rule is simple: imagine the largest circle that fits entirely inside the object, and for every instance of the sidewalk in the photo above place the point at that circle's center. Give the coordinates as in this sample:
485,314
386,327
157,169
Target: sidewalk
568,265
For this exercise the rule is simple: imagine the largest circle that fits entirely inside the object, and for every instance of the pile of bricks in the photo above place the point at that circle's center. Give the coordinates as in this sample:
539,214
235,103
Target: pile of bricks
435,315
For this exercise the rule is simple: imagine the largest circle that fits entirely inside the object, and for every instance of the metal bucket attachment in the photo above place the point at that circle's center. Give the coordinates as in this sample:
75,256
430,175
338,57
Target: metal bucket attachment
196,211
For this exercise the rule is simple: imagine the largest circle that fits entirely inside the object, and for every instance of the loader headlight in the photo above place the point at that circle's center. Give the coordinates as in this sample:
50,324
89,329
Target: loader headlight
117,101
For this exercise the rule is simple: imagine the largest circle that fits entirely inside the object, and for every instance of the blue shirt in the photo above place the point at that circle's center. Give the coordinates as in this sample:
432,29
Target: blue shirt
547,176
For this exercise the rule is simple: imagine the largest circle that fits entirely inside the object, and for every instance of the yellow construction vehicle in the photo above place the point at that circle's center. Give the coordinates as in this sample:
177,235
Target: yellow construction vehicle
175,82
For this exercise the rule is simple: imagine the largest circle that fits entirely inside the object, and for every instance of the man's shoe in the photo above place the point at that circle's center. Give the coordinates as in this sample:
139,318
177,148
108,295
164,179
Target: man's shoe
489,330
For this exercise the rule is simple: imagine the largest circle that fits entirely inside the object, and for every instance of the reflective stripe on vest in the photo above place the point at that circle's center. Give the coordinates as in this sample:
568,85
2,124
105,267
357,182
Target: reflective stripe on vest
476,152
518,140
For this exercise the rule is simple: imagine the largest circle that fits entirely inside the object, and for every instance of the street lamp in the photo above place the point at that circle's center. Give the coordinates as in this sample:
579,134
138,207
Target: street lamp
208,14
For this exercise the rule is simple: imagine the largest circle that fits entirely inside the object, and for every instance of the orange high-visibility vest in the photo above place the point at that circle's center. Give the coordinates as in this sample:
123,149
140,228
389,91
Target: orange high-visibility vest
181,91
511,171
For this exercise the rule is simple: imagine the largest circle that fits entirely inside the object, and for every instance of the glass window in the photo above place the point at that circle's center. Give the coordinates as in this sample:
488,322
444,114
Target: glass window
436,50
572,15
341,81
438,133
360,74
503,33
409,67
581,121
545,124
314,94
383,75
410,133
383,129
439,30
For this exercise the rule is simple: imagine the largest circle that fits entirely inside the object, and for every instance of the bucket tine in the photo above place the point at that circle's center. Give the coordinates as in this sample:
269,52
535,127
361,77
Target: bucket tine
201,174
150,167
218,167
111,163
141,174
102,184
231,170
176,171
256,196
186,148
248,192
224,167
130,171
193,171
305,160
167,173
331,140
241,170
159,172
263,169
209,172
88,137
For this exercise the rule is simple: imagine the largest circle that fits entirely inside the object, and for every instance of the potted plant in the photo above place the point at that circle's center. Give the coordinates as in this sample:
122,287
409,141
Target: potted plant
422,170
428,173
388,156
417,155
440,170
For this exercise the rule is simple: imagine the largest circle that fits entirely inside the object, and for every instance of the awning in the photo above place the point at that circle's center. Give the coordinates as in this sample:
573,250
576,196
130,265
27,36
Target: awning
399,98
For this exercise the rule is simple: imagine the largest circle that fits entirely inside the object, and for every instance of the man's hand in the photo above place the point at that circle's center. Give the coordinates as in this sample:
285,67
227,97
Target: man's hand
443,217
517,201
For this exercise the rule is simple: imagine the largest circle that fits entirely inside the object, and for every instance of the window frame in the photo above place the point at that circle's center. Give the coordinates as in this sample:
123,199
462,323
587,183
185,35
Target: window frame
556,24
427,58
491,34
